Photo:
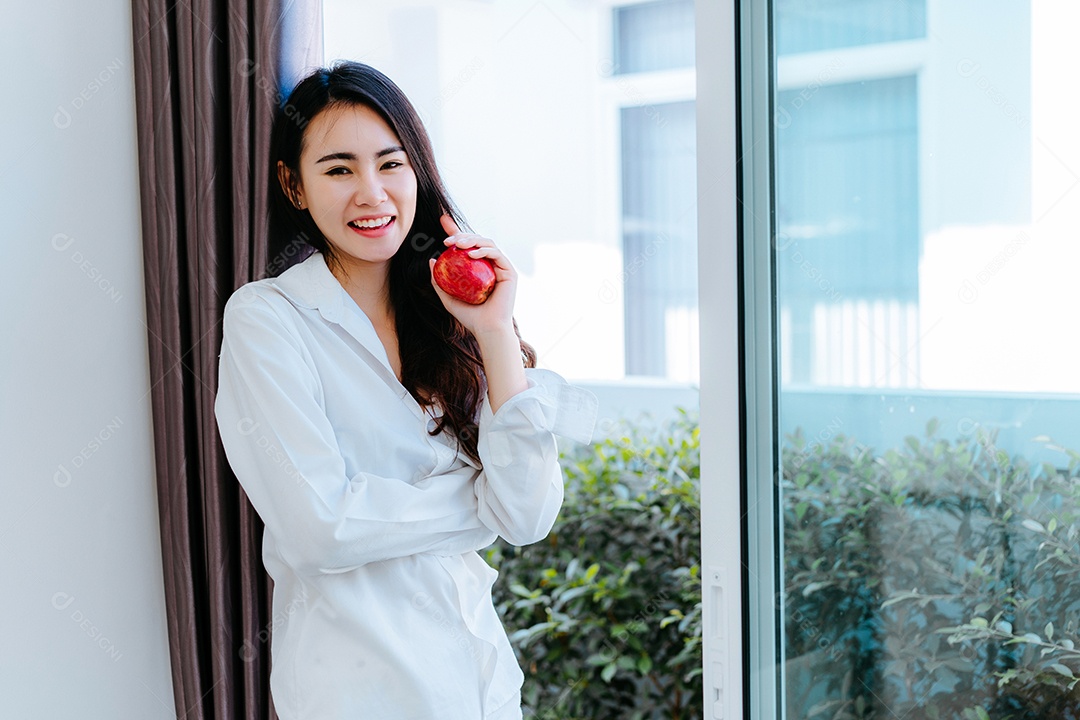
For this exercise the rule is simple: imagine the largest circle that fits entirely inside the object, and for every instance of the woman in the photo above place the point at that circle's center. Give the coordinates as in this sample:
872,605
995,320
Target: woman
384,431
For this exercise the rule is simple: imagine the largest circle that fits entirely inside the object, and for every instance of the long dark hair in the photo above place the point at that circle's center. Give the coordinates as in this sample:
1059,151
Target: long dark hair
440,359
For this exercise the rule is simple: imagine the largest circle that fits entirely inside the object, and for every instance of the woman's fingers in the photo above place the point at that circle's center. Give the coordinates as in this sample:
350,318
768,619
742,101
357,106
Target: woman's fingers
493,254
468,240
477,245
448,224
456,237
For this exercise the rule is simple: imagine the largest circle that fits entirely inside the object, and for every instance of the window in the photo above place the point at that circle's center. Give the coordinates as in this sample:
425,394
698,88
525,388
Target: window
660,240
847,228
913,456
813,25
659,199
652,36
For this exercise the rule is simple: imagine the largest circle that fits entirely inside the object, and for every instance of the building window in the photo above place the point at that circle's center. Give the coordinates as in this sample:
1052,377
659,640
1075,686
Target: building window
813,25
654,50
653,36
659,221
847,229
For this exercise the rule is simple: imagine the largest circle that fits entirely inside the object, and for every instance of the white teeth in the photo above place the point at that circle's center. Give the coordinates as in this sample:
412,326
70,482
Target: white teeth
372,223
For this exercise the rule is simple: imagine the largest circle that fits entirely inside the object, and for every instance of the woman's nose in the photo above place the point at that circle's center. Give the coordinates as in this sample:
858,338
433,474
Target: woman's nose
369,190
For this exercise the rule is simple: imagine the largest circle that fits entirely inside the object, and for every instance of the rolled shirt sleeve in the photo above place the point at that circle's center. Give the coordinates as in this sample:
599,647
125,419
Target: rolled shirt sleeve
284,452
520,489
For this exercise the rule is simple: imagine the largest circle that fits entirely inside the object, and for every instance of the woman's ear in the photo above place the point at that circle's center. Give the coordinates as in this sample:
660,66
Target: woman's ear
290,185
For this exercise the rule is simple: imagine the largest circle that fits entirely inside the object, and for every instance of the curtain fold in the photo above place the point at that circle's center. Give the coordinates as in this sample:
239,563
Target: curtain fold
208,77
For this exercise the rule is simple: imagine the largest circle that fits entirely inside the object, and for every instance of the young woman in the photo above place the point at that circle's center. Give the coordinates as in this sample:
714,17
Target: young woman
384,431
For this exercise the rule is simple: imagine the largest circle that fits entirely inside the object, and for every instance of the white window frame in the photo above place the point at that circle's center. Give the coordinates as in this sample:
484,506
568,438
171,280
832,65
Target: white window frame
736,413
743,646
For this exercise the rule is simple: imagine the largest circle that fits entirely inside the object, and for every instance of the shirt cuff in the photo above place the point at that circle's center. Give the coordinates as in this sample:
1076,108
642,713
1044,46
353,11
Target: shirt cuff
550,403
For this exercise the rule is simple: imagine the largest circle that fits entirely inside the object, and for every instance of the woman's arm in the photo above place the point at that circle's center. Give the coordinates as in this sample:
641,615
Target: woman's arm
503,368
283,451
520,489
492,322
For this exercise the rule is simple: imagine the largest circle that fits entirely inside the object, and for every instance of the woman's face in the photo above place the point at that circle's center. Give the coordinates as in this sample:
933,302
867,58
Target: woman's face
358,184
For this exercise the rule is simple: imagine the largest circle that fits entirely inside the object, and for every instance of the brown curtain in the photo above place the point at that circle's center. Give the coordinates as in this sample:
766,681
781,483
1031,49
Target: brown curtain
208,77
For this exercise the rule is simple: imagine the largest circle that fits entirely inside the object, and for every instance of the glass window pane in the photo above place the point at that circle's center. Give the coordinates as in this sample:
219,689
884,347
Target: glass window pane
847,228
654,36
930,455
659,240
811,25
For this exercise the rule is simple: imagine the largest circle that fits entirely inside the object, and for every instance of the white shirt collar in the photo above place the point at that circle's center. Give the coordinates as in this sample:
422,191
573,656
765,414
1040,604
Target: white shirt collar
310,284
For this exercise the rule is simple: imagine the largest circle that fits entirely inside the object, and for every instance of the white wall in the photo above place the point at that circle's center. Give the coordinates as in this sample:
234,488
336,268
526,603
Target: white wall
83,602
997,293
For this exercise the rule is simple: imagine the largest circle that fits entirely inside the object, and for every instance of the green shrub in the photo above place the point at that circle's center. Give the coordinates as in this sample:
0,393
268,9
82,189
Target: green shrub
940,579
609,605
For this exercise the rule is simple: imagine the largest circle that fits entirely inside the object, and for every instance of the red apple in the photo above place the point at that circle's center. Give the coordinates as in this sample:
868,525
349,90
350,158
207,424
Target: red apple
468,279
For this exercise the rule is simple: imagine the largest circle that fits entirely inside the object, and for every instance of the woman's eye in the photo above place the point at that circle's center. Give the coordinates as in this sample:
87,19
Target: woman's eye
337,171
392,164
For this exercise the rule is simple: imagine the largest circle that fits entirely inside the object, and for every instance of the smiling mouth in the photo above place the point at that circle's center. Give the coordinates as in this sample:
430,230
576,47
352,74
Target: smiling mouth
372,224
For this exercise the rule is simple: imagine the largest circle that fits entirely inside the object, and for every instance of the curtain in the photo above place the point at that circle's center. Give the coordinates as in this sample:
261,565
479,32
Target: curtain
208,76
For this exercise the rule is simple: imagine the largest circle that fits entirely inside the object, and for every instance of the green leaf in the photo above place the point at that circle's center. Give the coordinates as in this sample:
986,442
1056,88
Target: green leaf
1049,630
608,672
1033,525
1062,670
800,510
519,589
1007,676
982,714
573,593
814,587
644,664
900,597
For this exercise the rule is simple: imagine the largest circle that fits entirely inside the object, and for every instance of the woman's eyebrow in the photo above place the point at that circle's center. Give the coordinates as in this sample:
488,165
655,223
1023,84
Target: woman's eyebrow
351,156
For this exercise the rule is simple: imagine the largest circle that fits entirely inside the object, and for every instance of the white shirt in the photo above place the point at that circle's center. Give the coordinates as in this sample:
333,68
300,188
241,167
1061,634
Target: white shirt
382,606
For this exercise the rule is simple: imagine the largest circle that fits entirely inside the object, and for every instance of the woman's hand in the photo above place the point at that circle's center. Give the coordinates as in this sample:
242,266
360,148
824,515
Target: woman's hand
494,315
492,322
